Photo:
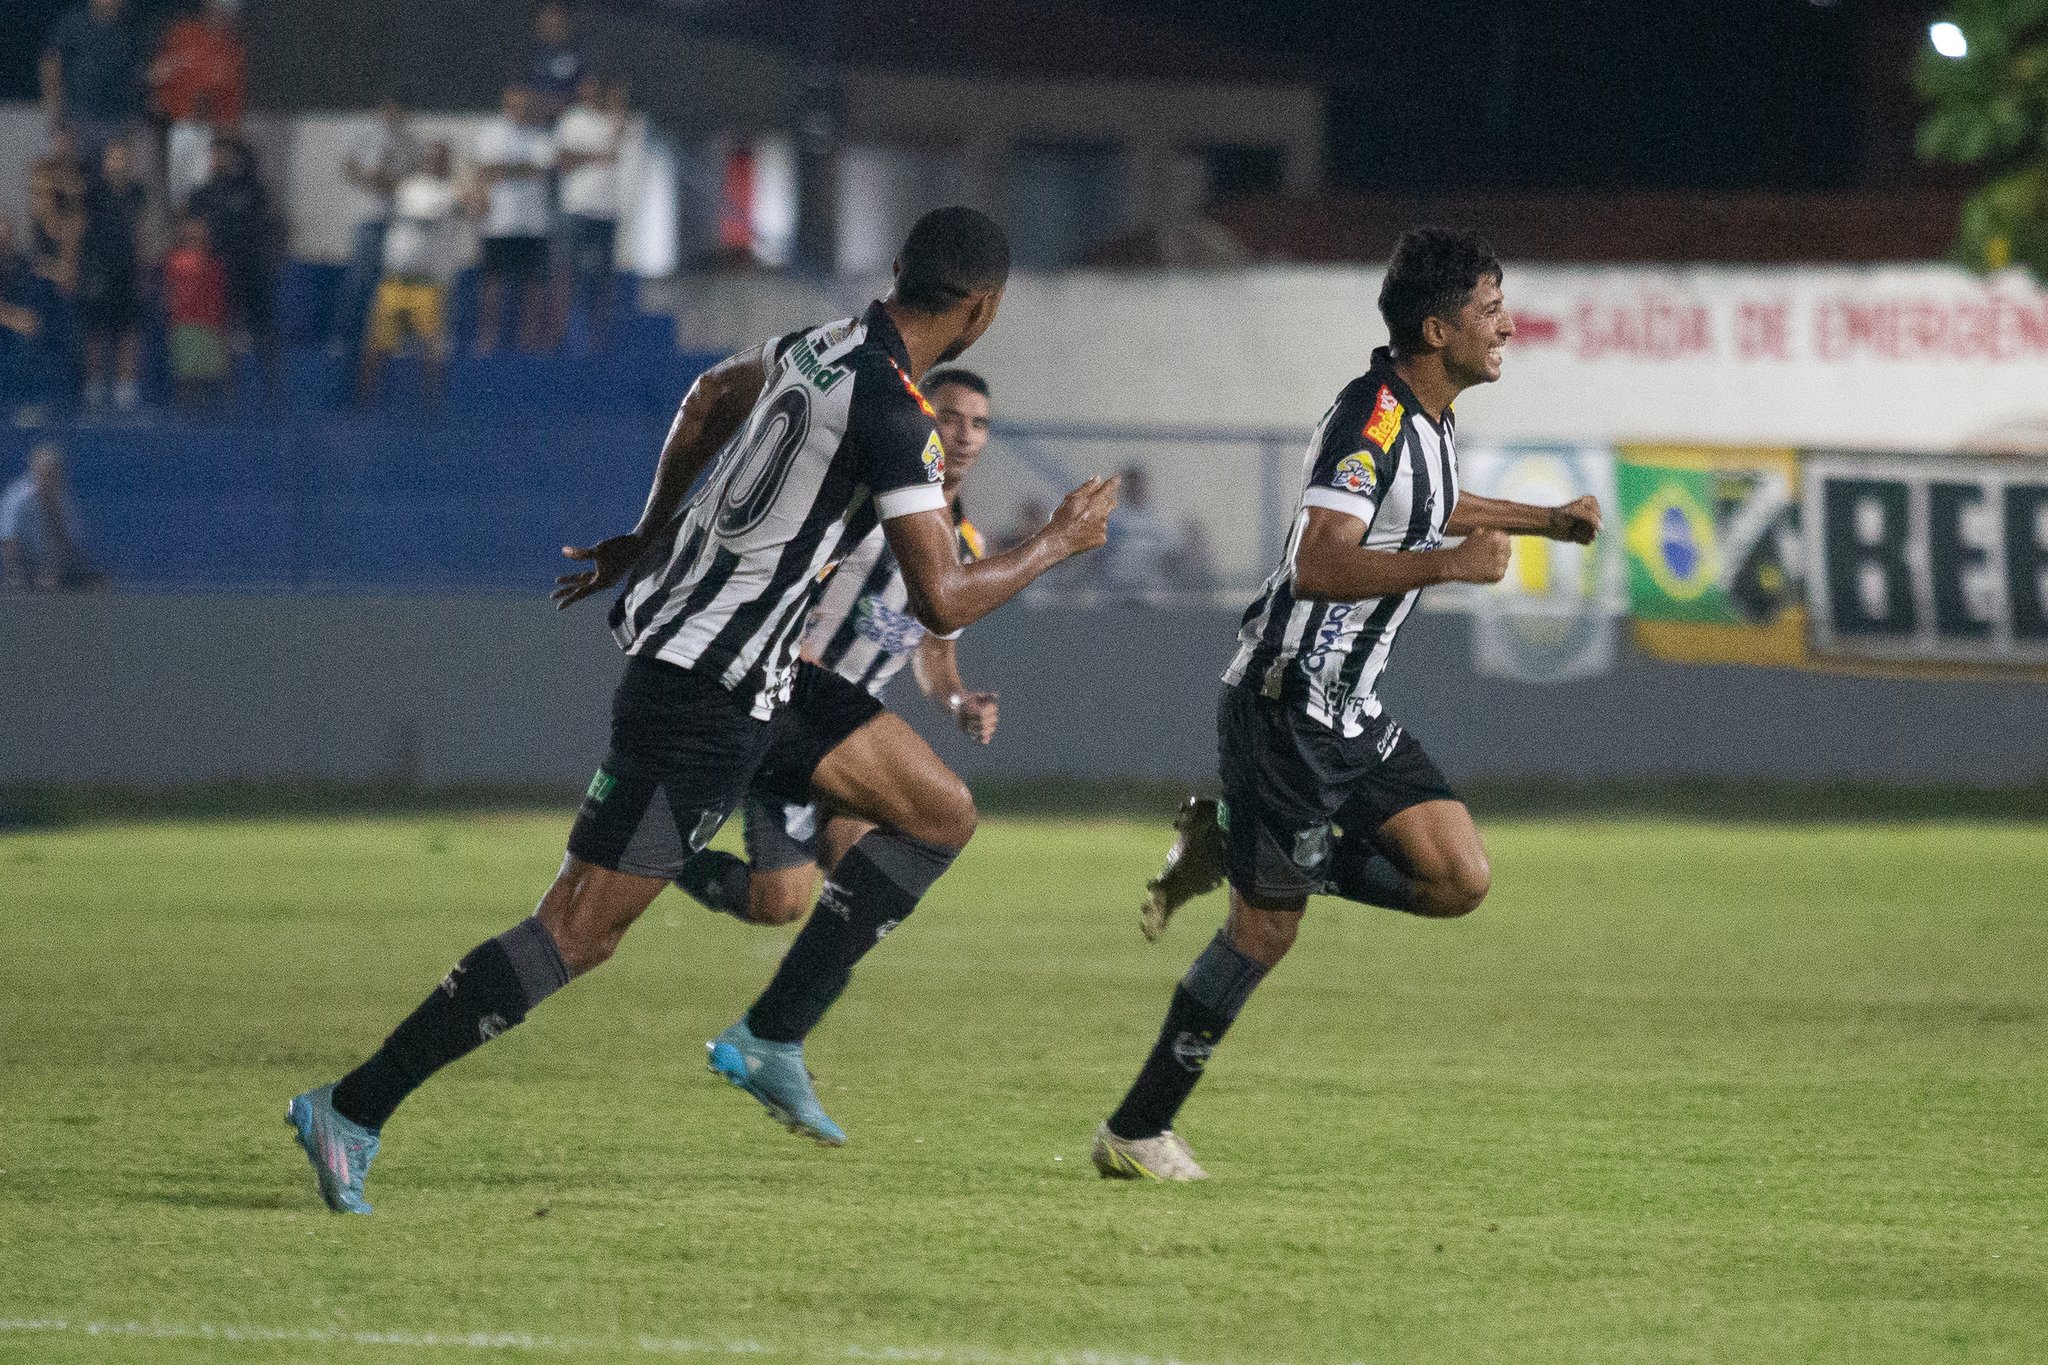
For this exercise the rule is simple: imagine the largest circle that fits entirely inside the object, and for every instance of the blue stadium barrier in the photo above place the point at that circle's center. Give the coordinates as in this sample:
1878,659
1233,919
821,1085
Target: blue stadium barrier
351,504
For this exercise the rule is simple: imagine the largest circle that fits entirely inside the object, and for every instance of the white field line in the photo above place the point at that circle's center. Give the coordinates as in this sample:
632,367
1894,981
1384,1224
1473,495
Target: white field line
542,1344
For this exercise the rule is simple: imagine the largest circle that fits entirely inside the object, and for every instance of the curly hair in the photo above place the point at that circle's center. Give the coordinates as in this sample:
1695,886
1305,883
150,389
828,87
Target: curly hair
1433,273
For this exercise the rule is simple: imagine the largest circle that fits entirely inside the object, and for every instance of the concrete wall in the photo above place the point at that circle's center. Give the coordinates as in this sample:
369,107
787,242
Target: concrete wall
167,690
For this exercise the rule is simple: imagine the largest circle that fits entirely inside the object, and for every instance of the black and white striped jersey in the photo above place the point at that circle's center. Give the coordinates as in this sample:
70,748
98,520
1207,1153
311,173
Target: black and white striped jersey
1377,456
840,441
862,628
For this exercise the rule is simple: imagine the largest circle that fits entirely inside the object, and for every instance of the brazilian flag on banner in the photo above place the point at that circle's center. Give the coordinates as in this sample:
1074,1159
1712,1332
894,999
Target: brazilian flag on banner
1674,553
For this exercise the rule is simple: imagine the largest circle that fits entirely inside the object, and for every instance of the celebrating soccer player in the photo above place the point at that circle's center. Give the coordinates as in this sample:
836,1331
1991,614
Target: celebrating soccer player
1323,794
818,436
859,637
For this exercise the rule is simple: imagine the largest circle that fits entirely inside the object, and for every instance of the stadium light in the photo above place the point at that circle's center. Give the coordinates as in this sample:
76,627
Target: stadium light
1948,40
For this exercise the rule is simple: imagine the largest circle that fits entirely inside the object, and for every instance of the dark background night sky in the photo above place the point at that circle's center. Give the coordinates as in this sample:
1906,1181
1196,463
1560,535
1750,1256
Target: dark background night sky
1597,94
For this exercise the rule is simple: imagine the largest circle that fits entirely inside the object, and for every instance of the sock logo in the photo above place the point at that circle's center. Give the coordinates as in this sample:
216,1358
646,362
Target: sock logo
490,1026
1192,1050
833,899
448,982
882,929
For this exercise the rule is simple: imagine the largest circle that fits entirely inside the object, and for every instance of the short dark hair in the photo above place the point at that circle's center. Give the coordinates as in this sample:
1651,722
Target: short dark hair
1433,273
966,379
950,254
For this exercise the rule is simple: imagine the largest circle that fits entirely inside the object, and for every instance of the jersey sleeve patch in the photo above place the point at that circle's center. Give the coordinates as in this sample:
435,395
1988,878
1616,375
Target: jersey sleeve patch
1354,474
1385,423
934,458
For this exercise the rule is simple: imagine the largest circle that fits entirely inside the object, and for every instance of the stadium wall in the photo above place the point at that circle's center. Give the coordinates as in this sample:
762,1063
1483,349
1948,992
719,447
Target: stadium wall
165,691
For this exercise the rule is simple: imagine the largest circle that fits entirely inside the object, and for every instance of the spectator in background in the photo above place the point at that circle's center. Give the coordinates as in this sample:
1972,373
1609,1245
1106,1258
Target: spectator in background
110,279
90,74
40,547
202,58
188,156
244,233
589,140
1189,568
196,312
1133,564
514,159
380,157
28,306
419,261
56,208
555,66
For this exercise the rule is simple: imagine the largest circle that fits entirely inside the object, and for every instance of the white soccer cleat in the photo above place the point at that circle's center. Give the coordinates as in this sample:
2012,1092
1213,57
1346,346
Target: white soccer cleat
1165,1157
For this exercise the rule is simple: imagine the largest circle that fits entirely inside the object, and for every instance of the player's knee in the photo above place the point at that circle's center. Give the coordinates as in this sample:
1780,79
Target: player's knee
1263,936
948,818
1460,889
769,903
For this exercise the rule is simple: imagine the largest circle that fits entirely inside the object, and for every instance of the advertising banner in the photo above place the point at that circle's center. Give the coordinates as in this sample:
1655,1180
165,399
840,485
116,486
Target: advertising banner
1928,559
1711,540
1552,619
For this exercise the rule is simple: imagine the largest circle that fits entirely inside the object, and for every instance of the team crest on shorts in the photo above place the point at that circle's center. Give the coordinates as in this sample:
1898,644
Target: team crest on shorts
1311,847
1385,423
1354,474
934,458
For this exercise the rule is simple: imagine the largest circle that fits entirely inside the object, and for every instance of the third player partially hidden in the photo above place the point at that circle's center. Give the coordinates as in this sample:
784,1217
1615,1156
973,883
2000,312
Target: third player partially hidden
1322,793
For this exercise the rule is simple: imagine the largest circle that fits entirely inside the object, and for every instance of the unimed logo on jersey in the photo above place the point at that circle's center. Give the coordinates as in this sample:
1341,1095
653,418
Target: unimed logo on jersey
1385,423
1937,559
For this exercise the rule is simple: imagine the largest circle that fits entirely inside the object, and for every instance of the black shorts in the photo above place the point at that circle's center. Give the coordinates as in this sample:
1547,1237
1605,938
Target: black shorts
683,750
824,710
517,258
1287,780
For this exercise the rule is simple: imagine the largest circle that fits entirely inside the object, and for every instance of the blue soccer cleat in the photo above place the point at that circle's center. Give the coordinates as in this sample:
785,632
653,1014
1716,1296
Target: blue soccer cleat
341,1150
774,1074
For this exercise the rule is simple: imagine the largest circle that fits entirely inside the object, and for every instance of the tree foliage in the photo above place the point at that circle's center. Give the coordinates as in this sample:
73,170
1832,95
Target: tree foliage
1989,108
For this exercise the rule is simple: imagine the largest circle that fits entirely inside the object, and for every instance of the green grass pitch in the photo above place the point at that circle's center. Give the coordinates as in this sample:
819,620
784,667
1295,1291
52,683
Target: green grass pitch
1679,1092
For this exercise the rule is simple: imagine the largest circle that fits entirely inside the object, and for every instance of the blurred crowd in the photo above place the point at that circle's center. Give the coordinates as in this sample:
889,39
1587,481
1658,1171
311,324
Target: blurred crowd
152,245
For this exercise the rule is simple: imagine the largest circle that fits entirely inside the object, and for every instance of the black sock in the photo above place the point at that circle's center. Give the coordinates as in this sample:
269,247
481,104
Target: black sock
489,991
1204,1004
874,889
1360,872
717,881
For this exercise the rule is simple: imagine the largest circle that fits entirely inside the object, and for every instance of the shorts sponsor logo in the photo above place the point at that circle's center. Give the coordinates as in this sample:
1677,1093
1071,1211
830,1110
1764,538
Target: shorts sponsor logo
1311,847
934,457
1388,740
600,787
707,825
1385,423
1354,474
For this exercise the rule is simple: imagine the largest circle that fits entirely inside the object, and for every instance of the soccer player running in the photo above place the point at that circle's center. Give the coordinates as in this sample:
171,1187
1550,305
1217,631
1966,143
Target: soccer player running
816,437
859,637
1323,794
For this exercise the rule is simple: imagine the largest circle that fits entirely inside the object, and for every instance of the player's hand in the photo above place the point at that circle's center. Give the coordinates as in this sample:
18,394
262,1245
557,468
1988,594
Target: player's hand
1082,521
1483,558
609,560
975,713
1578,521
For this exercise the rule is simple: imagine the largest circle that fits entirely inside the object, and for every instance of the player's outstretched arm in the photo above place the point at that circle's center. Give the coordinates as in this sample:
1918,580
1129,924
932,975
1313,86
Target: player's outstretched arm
712,411
948,596
1578,521
936,666
1331,561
